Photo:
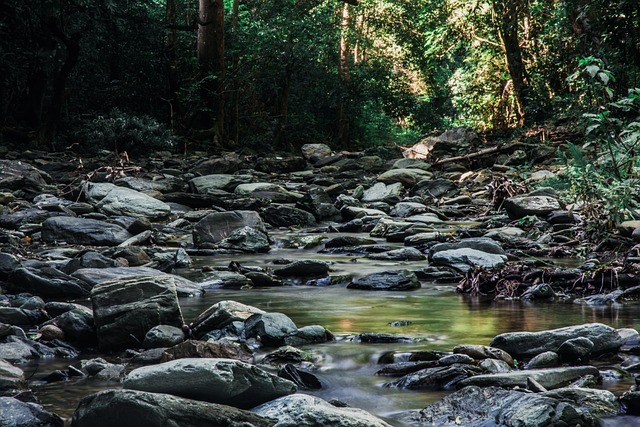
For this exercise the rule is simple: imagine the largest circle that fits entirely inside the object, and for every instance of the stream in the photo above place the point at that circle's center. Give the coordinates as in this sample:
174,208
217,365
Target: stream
439,319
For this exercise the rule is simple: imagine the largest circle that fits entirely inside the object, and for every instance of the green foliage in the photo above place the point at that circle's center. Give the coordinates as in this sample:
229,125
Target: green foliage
122,132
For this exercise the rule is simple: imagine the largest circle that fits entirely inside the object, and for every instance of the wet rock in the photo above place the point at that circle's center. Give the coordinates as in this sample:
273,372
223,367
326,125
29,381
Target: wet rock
158,183
217,226
483,352
304,380
539,291
224,381
260,279
420,239
81,231
222,314
314,152
273,192
14,413
382,192
18,175
16,351
631,402
224,279
114,200
246,239
407,209
390,280
351,212
89,259
211,184
342,241
494,366
529,344
137,256
77,326
47,282
163,336
521,206
287,216
548,378
300,410
124,310
308,335
21,317
380,338
404,368
548,359
452,359
475,407
438,378
575,350
208,349
303,268
317,201
102,370
482,244
8,264
130,408
11,377
270,328
434,189
464,259
289,355
407,177
402,254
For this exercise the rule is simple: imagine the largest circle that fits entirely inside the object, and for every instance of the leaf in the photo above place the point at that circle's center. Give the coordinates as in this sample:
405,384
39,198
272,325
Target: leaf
604,77
591,128
592,70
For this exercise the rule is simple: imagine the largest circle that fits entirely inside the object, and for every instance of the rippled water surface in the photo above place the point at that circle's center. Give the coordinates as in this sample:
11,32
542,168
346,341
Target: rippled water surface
439,319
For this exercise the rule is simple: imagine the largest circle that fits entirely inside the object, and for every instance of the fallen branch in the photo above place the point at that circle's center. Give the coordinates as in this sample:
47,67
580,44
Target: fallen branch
491,150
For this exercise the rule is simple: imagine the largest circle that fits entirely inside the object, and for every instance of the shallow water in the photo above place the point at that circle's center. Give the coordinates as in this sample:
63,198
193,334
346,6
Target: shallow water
439,319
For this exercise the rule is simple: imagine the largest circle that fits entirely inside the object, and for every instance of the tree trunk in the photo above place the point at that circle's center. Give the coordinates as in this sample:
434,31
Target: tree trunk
210,51
280,137
343,73
508,12
234,126
171,44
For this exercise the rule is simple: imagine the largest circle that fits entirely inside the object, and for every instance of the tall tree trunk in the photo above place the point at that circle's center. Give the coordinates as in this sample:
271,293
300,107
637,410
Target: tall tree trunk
343,73
282,108
508,13
171,45
210,51
234,124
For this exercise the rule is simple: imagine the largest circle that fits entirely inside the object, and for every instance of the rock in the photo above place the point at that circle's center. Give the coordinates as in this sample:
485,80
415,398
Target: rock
21,317
18,175
89,259
303,268
14,413
521,206
81,231
16,351
208,349
422,238
494,366
342,241
434,189
102,370
390,280
222,314
631,402
458,358
308,335
438,378
124,310
317,201
300,410
224,279
484,352
407,177
224,381
113,200
575,350
246,239
402,254
260,279
314,152
217,226
270,328
304,380
529,344
380,338
130,408
407,209
482,244
287,216
273,192
464,259
538,291
159,183
215,182
11,377
548,378
476,407
163,336
8,264
626,228
381,192
77,325
48,282
547,359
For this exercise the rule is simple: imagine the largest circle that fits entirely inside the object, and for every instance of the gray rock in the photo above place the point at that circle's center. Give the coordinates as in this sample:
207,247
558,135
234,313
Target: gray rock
8,264
113,200
422,238
224,381
270,328
529,344
342,241
131,408
303,268
521,206
287,216
90,259
308,335
402,254
575,350
16,351
18,175
163,336
548,378
273,192
464,259
483,244
77,325
492,406
451,359
218,225
318,201
14,413
48,282
390,280
494,366
407,177
222,314
300,410
221,348
381,192
224,279
20,316
159,183
407,209
314,152
438,378
246,239
81,231
548,359
483,352
215,182
124,310
434,189
11,377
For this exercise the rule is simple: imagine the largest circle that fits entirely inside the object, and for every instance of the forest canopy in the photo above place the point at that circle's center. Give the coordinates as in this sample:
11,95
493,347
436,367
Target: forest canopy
281,73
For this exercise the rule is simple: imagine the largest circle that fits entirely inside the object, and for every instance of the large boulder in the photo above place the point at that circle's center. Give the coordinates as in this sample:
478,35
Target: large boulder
15,413
300,410
314,152
529,344
287,216
11,377
390,280
246,239
113,200
131,408
17,175
464,259
220,315
82,231
124,310
270,328
521,206
548,378
48,282
216,226
224,381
